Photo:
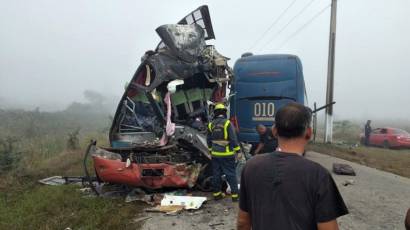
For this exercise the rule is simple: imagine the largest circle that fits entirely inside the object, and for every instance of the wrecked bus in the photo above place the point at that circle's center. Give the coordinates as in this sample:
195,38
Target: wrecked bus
158,134
263,84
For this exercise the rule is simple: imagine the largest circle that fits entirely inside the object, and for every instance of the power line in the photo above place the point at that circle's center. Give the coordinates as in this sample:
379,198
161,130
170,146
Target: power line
303,26
272,25
284,27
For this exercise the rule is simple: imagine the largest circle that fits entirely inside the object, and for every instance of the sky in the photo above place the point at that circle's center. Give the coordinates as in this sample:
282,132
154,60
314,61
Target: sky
52,51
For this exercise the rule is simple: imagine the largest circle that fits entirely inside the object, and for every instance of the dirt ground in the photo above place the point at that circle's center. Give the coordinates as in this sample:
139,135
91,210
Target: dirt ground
376,200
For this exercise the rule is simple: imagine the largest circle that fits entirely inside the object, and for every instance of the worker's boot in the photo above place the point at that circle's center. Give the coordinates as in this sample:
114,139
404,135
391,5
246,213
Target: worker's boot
218,195
235,197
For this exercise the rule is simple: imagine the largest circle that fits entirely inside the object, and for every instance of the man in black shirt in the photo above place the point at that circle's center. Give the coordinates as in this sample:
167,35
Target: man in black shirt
267,141
283,190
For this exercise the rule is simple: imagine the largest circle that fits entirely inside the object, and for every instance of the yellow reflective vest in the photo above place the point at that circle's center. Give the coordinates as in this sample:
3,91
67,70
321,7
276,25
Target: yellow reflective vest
222,140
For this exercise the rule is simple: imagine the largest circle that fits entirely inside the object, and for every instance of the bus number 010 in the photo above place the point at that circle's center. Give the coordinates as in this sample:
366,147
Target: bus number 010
264,109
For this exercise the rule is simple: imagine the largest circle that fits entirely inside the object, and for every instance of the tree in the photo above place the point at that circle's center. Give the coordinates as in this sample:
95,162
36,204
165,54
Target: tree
9,157
94,97
73,141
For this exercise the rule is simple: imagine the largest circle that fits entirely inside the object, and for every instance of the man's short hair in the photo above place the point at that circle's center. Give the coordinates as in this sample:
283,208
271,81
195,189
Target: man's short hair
292,120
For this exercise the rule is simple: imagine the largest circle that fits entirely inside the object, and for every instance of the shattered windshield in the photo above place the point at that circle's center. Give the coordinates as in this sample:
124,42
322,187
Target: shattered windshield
173,85
199,17
186,41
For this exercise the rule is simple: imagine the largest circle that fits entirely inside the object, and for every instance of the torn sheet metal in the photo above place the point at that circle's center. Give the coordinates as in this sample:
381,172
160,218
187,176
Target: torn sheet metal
167,103
150,175
189,64
188,202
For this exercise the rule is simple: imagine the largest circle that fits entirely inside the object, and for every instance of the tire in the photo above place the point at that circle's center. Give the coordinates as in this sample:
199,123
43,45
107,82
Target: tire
204,181
205,185
386,144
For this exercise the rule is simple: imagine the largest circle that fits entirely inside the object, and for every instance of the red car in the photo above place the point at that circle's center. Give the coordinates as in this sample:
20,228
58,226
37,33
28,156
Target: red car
388,138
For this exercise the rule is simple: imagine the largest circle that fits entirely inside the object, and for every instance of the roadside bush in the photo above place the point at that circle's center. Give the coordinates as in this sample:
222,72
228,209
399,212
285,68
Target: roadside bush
42,136
9,156
73,141
346,131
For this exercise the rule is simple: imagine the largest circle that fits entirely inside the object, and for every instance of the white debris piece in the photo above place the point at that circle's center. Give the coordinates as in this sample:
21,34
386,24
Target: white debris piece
189,202
54,180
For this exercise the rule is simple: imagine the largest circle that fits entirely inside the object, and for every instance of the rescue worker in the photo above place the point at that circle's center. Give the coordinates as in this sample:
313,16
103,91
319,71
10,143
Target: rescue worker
367,131
223,144
267,140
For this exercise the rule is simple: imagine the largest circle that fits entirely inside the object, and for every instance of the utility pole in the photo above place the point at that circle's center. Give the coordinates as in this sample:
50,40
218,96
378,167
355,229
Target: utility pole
314,123
330,75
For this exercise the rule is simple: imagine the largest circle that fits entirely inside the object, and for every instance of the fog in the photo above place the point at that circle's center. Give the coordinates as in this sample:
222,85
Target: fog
52,51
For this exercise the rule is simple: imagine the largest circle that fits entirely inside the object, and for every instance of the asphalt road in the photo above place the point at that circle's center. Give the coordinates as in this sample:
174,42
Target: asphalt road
376,200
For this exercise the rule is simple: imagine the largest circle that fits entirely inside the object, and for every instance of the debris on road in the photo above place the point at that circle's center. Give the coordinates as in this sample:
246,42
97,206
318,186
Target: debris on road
139,195
168,209
216,224
348,182
188,202
171,204
63,180
137,220
343,169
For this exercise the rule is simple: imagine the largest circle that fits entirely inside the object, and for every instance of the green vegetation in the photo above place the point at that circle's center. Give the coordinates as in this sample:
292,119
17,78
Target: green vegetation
9,157
50,207
35,145
394,161
346,146
347,131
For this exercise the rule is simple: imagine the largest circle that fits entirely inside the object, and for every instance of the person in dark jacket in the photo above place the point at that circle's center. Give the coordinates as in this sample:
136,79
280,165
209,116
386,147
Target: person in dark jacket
267,140
407,221
223,144
367,131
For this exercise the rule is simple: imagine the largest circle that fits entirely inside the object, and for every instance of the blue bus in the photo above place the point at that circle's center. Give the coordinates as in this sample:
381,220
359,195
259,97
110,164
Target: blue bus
262,84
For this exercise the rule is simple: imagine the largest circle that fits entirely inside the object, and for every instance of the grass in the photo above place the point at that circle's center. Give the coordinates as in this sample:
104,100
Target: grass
394,161
346,136
25,204
52,207
42,144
